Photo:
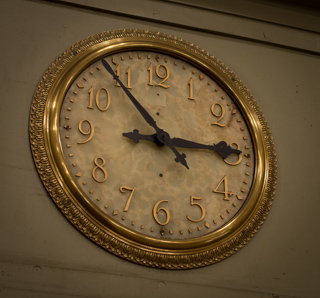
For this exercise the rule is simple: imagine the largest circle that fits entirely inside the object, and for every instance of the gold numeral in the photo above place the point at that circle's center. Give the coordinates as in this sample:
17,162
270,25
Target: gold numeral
118,74
165,76
128,73
90,98
203,212
150,75
239,156
90,131
221,115
98,99
156,211
101,168
190,89
225,192
123,189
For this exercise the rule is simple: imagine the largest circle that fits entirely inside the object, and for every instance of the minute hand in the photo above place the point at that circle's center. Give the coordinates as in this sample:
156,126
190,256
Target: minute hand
222,148
139,107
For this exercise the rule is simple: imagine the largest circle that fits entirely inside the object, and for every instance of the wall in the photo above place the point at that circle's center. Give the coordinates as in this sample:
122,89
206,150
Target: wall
274,49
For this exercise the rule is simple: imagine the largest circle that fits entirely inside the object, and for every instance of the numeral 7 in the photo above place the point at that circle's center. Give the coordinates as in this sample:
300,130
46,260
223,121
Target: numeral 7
123,189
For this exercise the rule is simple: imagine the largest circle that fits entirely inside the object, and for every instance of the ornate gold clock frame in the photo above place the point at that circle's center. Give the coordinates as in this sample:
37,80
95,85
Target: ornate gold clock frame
69,193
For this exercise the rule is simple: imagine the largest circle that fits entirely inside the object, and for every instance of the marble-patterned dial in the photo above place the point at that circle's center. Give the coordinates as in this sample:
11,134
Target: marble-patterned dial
139,185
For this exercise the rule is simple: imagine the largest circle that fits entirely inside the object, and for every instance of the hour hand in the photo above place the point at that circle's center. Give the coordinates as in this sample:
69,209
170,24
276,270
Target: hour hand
222,148
160,139
135,136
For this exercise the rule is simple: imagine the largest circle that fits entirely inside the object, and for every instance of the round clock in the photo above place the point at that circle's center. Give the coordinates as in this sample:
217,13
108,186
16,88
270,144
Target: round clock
153,149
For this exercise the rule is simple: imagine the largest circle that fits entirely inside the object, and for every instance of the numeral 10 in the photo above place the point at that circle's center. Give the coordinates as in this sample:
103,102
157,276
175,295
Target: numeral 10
98,99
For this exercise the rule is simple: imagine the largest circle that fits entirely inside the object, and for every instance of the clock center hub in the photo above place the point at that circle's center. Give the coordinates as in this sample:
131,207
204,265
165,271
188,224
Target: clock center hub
163,137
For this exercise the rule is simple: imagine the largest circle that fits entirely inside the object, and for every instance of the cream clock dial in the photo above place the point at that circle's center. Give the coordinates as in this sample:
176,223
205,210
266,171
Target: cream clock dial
155,150
127,180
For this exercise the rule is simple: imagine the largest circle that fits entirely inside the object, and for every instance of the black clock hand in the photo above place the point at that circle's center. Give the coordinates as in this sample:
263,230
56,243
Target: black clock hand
162,136
135,136
179,157
165,140
221,148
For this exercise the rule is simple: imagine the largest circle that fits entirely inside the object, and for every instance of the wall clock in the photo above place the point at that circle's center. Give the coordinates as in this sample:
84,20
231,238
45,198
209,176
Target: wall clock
153,149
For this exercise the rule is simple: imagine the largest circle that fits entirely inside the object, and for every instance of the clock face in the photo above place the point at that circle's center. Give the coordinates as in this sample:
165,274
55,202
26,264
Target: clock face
139,185
153,149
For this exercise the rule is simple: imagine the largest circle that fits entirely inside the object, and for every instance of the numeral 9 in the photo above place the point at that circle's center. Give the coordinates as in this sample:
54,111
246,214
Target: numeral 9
90,131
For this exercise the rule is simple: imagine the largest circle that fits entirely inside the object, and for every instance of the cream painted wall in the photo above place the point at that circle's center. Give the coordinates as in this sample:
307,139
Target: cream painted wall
42,255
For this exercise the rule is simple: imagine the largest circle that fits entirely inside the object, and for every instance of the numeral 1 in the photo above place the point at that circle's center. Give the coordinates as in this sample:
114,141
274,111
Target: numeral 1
190,89
150,75
128,72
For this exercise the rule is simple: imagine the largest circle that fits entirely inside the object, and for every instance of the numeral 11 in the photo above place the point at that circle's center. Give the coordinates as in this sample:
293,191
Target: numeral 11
128,73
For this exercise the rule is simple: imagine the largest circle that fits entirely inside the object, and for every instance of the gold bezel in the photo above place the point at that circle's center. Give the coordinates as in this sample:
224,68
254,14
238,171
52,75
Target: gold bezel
103,230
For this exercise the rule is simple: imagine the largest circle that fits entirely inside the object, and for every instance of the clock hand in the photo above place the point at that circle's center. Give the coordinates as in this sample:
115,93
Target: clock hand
179,157
162,139
136,137
221,148
161,135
